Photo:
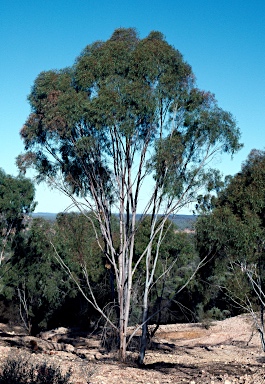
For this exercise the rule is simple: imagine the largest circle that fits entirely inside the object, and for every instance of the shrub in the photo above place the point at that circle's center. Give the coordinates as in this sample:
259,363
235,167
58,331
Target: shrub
17,371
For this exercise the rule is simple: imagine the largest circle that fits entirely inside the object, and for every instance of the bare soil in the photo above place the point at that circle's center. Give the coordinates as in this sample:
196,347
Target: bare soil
226,351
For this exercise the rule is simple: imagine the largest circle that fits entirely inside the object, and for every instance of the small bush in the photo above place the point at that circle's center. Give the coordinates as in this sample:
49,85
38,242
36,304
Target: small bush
207,317
14,371
17,371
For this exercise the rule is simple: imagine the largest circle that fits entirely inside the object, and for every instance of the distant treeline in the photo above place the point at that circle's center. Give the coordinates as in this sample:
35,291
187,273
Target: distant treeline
181,221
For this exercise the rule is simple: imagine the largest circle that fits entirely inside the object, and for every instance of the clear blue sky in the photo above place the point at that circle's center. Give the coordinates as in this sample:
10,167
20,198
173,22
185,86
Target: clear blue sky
223,41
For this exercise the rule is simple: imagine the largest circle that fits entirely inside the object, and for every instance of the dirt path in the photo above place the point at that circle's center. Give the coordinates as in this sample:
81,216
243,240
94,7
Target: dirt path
227,352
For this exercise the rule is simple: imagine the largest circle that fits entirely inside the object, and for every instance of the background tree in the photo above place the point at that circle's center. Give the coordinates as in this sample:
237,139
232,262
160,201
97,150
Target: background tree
34,280
124,125
177,262
75,240
233,234
16,202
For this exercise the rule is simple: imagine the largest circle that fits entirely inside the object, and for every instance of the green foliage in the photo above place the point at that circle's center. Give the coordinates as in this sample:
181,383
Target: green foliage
133,90
16,197
233,232
16,202
176,264
77,244
17,371
214,313
34,274
47,291
76,241
183,222
127,110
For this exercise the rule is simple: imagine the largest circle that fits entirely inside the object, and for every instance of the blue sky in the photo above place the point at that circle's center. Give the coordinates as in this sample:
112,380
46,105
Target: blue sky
223,41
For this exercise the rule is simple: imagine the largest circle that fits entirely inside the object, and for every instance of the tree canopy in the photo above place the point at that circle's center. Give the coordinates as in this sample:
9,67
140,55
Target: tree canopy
235,224
232,234
126,124
121,97
16,202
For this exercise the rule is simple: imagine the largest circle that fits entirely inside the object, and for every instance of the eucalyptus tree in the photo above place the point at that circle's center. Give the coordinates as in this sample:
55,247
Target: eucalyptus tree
126,130
232,232
16,202
34,279
75,238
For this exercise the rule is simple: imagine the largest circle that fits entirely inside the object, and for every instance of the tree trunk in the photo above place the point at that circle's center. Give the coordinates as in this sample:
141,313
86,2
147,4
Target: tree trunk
144,326
124,302
261,329
122,348
143,337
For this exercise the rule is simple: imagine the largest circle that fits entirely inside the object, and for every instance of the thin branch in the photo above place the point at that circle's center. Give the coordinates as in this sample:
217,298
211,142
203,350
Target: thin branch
71,275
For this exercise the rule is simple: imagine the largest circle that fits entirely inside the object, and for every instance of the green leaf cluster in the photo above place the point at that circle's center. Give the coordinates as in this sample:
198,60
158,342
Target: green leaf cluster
76,241
121,96
16,202
16,198
34,272
233,232
176,264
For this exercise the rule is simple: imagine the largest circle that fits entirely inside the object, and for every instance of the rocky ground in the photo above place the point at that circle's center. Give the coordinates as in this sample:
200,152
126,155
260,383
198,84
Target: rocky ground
225,352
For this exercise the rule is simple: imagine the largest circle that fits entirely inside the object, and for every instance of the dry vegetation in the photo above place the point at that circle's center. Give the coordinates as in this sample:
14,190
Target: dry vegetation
221,352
